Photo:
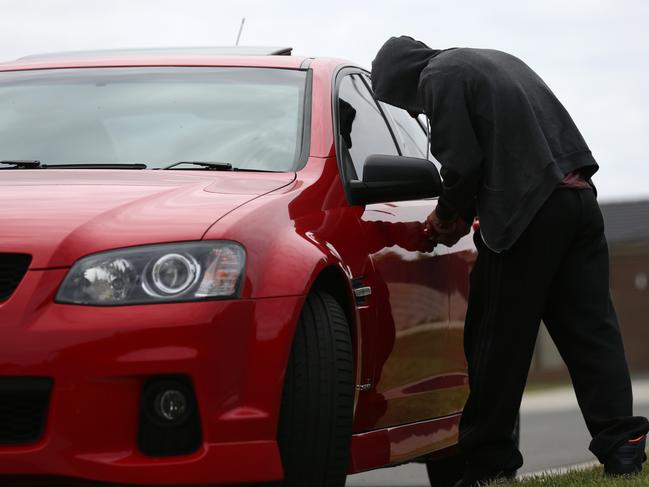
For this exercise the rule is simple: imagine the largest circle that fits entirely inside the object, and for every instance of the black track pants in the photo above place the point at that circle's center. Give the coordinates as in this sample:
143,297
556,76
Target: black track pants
556,272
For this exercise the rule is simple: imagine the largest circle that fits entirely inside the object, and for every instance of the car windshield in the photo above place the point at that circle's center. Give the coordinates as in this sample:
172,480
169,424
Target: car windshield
250,118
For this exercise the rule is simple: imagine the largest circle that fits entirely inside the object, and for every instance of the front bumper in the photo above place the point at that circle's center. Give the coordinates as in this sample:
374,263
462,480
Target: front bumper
234,352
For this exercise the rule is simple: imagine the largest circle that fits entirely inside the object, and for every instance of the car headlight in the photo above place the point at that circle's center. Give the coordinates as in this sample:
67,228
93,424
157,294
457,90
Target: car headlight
156,273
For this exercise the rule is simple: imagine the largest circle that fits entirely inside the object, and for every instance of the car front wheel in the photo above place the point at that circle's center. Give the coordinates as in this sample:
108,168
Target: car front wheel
317,405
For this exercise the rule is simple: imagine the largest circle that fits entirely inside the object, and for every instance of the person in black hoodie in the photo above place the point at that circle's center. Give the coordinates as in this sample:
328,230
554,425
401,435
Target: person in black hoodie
512,156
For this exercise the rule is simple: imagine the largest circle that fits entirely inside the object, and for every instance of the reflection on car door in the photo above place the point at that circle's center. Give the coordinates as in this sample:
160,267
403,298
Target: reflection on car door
459,258
415,378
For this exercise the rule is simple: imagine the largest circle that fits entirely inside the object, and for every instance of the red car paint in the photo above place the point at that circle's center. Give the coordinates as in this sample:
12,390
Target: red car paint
296,228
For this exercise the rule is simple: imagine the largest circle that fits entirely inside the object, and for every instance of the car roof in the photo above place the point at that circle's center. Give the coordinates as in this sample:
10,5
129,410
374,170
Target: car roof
164,51
260,56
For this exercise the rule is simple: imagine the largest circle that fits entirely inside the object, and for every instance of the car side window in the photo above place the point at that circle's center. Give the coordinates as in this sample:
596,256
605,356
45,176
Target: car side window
363,129
410,135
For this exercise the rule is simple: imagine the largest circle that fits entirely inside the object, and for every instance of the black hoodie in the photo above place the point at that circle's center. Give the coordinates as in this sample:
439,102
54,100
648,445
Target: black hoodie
503,139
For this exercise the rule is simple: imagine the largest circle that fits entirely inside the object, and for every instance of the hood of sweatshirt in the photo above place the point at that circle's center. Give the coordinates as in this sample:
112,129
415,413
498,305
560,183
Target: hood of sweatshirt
396,70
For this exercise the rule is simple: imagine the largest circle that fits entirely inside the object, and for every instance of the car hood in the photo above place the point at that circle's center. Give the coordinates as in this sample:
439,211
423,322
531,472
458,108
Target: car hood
59,215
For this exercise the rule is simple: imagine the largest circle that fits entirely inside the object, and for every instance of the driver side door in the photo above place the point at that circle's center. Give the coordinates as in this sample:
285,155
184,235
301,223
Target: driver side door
413,376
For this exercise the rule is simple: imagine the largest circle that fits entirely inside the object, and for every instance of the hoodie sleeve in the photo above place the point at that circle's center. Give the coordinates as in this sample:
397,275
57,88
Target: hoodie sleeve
447,98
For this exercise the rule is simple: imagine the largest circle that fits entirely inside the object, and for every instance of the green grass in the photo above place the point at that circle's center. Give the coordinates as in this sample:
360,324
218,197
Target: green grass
593,477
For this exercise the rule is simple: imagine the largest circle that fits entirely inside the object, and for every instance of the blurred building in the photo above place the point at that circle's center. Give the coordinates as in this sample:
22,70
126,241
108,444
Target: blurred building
627,230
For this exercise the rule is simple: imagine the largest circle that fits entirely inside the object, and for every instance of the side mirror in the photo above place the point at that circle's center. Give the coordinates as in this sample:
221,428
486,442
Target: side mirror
395,178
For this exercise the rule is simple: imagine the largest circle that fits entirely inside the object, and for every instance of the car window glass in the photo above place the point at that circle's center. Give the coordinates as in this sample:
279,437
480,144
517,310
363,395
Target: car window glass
362,128
249,117
410,135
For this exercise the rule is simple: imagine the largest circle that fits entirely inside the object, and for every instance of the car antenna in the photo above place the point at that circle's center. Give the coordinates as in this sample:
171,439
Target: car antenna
243,20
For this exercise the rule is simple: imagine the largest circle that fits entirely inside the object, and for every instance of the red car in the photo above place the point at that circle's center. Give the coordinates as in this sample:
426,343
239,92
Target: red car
213,271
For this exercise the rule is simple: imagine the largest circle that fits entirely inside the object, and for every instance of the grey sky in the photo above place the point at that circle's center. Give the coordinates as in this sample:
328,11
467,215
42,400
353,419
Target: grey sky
594,54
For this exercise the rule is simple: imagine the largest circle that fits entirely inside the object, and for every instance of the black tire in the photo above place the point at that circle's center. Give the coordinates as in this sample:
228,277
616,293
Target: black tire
315,423
446,472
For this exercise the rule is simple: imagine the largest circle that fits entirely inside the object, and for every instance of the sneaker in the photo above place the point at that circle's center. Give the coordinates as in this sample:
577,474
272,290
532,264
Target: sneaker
627,459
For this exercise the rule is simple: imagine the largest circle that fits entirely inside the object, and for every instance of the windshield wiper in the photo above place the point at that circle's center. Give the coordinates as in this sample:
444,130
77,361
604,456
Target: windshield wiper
217,166
102,165
22,164
214,166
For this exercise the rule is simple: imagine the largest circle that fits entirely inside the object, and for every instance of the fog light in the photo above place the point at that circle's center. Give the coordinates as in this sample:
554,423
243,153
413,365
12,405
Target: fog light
169,421
169,401
170,404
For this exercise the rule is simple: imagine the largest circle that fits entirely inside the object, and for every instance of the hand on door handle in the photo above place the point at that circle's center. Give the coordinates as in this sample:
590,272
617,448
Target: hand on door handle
446,232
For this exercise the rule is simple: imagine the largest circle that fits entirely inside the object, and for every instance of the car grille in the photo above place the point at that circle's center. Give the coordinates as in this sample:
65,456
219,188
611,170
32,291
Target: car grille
23,408
12,269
